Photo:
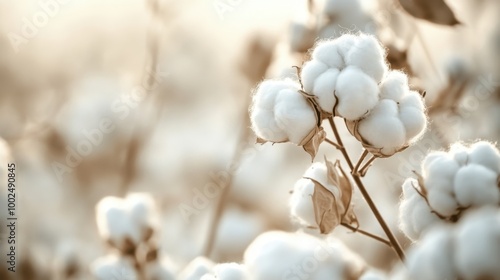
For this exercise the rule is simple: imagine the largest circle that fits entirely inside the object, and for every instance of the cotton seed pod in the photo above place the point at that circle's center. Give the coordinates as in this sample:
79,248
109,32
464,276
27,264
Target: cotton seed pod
322,198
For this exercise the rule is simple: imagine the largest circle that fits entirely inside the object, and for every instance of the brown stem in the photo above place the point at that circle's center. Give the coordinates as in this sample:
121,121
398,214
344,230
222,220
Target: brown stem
364,169
333,143
371,235
392,239
360,161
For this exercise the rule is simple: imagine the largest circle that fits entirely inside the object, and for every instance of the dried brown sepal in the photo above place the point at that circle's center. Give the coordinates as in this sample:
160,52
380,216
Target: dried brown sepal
338,177
152,255
129,247
325,206
435,11
352,127
313,141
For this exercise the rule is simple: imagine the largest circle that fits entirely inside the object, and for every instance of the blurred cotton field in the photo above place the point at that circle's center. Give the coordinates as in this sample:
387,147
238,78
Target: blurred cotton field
219,139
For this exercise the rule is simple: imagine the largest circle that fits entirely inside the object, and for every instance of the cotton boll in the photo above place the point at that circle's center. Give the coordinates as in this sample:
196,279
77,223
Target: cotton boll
301,205
484,153
357,93
113,267
327,52
345,43
382,129
294,115
442,202
114,222
265,94
477,249
432,258
394,86
414,121
368,55
324,88
309,72
142,210
265,126
196,269
476,185
413,99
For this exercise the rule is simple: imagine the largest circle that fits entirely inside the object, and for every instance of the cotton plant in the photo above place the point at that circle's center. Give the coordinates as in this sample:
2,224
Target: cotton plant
469,249
451,183
130,226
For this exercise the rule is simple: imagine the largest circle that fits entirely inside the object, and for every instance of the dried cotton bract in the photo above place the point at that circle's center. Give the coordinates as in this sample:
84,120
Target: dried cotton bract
451,182
322,198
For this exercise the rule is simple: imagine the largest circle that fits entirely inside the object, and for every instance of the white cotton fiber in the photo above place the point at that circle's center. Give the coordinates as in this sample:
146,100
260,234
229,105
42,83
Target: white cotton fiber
415,216
196,269
345,43
368,55
114,221
230,271
309,72
357,93
301,204
294,115
413,99
373,274
485,153
432,257
341,8
440,174
477,249
142,210
459,153
476,185
382,128
113,267
394,86
442,202
324,88
414,121
429,158
327,52
265,126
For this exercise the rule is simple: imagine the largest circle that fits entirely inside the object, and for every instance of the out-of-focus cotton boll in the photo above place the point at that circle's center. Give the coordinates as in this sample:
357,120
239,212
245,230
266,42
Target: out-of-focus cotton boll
415,216
341,8
373,274
301,204
196,269
485,154
357,93
280,113
459,153
282,255
444,203
477,249
143,210
432,258
368,55
476,185
113,267
229,271
382,127
441,173
114,223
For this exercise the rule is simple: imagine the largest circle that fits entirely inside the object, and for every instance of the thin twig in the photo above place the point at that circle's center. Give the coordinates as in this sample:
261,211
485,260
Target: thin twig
364,169
371,235
392,239
360,161
333,143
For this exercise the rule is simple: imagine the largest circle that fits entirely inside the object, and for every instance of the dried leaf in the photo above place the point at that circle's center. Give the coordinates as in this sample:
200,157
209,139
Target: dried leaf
325,208
260,141
313,141
435,11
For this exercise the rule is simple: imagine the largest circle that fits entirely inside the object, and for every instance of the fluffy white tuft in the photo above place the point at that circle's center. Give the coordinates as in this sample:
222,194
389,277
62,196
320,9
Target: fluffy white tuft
476,185
357,93
394,86
328,52
484,153
368,55
196,269
324,89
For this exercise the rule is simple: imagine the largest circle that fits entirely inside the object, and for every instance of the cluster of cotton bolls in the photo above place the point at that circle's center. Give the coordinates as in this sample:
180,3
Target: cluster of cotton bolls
130,227
280,113
451,182
469,249
350,79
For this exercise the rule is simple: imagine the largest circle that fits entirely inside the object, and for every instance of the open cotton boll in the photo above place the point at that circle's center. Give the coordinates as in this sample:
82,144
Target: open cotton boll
429,158
294,115
413,99
394,86
114,222
301,204
196,269
357,93
265,94
327,52
477,249
476,185
459,153
415,216
344,44
324,89
283,255
432,258
113,267
309,72
382,127
264,125
368,55
142,210
440,174
485,153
